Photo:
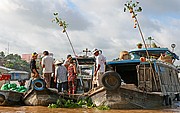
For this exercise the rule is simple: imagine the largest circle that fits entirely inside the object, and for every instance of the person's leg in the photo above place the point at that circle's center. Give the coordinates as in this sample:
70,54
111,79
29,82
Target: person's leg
65,86
74,83
59,87
100,74
69,87
47,79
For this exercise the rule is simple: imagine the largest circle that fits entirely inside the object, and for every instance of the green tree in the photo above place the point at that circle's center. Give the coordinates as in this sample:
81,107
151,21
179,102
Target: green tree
2,55
14,61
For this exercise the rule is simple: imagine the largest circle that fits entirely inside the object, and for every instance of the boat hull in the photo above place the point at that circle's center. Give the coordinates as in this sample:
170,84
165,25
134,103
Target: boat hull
40,98
10,98
127,97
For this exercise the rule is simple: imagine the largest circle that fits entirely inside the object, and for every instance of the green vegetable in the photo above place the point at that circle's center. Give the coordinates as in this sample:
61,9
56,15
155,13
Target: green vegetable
103,107
82,103
13,87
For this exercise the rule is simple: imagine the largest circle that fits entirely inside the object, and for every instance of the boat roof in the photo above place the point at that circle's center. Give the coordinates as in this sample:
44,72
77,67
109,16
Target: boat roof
117,62
85,60
156,51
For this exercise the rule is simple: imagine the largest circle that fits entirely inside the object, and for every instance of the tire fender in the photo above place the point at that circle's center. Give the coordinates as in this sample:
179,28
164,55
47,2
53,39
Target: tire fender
38,84
111,80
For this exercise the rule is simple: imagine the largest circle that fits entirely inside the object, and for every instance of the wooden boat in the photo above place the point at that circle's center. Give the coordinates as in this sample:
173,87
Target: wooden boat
10,98
39,95
139,83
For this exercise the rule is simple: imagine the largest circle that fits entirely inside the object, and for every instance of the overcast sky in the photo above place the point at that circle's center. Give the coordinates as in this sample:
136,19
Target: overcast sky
26,26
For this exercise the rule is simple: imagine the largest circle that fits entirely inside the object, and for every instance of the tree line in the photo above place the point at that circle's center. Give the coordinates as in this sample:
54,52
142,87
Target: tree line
14,61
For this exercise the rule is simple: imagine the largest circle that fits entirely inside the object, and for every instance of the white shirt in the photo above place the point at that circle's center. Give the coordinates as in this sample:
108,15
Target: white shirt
61,74
48,61
100,60
104,58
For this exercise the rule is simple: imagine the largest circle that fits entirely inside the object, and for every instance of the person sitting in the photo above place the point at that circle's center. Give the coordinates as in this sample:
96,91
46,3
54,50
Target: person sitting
22,82
124,55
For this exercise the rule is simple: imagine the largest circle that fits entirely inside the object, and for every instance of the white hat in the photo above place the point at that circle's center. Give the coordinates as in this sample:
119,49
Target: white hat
95,50
58,62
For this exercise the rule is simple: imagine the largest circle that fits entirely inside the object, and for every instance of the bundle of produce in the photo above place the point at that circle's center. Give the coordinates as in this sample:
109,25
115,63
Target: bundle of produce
13,87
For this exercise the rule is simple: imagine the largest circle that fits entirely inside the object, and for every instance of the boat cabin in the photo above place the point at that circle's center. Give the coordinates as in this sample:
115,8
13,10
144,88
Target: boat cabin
148,72
86,66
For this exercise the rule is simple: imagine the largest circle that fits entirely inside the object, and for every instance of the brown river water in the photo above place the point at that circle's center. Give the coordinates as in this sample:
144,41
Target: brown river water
42,109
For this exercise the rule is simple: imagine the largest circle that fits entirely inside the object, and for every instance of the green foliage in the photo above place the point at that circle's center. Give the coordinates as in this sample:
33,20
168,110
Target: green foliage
59,21
2,55
103,107
134,6
14,61
82,103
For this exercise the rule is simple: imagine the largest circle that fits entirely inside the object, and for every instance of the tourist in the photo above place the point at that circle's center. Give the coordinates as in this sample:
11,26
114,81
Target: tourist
72,74
100,68
60,76
48,67
67,61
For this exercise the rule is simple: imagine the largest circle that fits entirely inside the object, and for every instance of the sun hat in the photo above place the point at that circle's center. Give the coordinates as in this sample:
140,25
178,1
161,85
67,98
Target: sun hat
58,62
34,54
95,50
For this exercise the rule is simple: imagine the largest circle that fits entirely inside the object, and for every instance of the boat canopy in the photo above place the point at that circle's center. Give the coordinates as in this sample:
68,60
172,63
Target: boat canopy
117,62
87,60
153,52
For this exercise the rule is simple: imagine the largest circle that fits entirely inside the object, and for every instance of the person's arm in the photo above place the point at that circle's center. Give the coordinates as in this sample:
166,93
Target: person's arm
95,73
75,70
98,66
53,68
42,63
55,75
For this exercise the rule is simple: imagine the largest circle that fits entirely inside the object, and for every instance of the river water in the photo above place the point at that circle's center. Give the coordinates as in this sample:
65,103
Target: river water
42,109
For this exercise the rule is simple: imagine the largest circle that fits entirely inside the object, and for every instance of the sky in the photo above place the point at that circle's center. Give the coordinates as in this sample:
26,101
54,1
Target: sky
26,26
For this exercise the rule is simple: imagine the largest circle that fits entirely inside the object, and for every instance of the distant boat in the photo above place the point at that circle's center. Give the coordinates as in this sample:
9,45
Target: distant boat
8,97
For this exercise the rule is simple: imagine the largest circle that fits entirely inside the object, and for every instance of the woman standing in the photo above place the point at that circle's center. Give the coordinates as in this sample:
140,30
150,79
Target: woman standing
72,77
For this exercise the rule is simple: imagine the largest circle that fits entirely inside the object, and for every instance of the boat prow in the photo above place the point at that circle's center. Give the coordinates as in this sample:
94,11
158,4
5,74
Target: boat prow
39,95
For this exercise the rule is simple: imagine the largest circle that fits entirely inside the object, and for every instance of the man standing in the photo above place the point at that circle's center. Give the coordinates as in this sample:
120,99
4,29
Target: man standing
60,76
100,68
48,67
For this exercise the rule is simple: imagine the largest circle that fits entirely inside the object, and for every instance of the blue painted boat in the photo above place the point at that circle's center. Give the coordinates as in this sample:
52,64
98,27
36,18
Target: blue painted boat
143,81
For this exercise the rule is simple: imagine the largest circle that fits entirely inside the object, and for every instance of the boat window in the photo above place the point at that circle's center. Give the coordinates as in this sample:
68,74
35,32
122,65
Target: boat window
86,70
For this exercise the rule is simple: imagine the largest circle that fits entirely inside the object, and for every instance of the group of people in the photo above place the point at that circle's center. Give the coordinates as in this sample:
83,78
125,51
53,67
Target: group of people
65,73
